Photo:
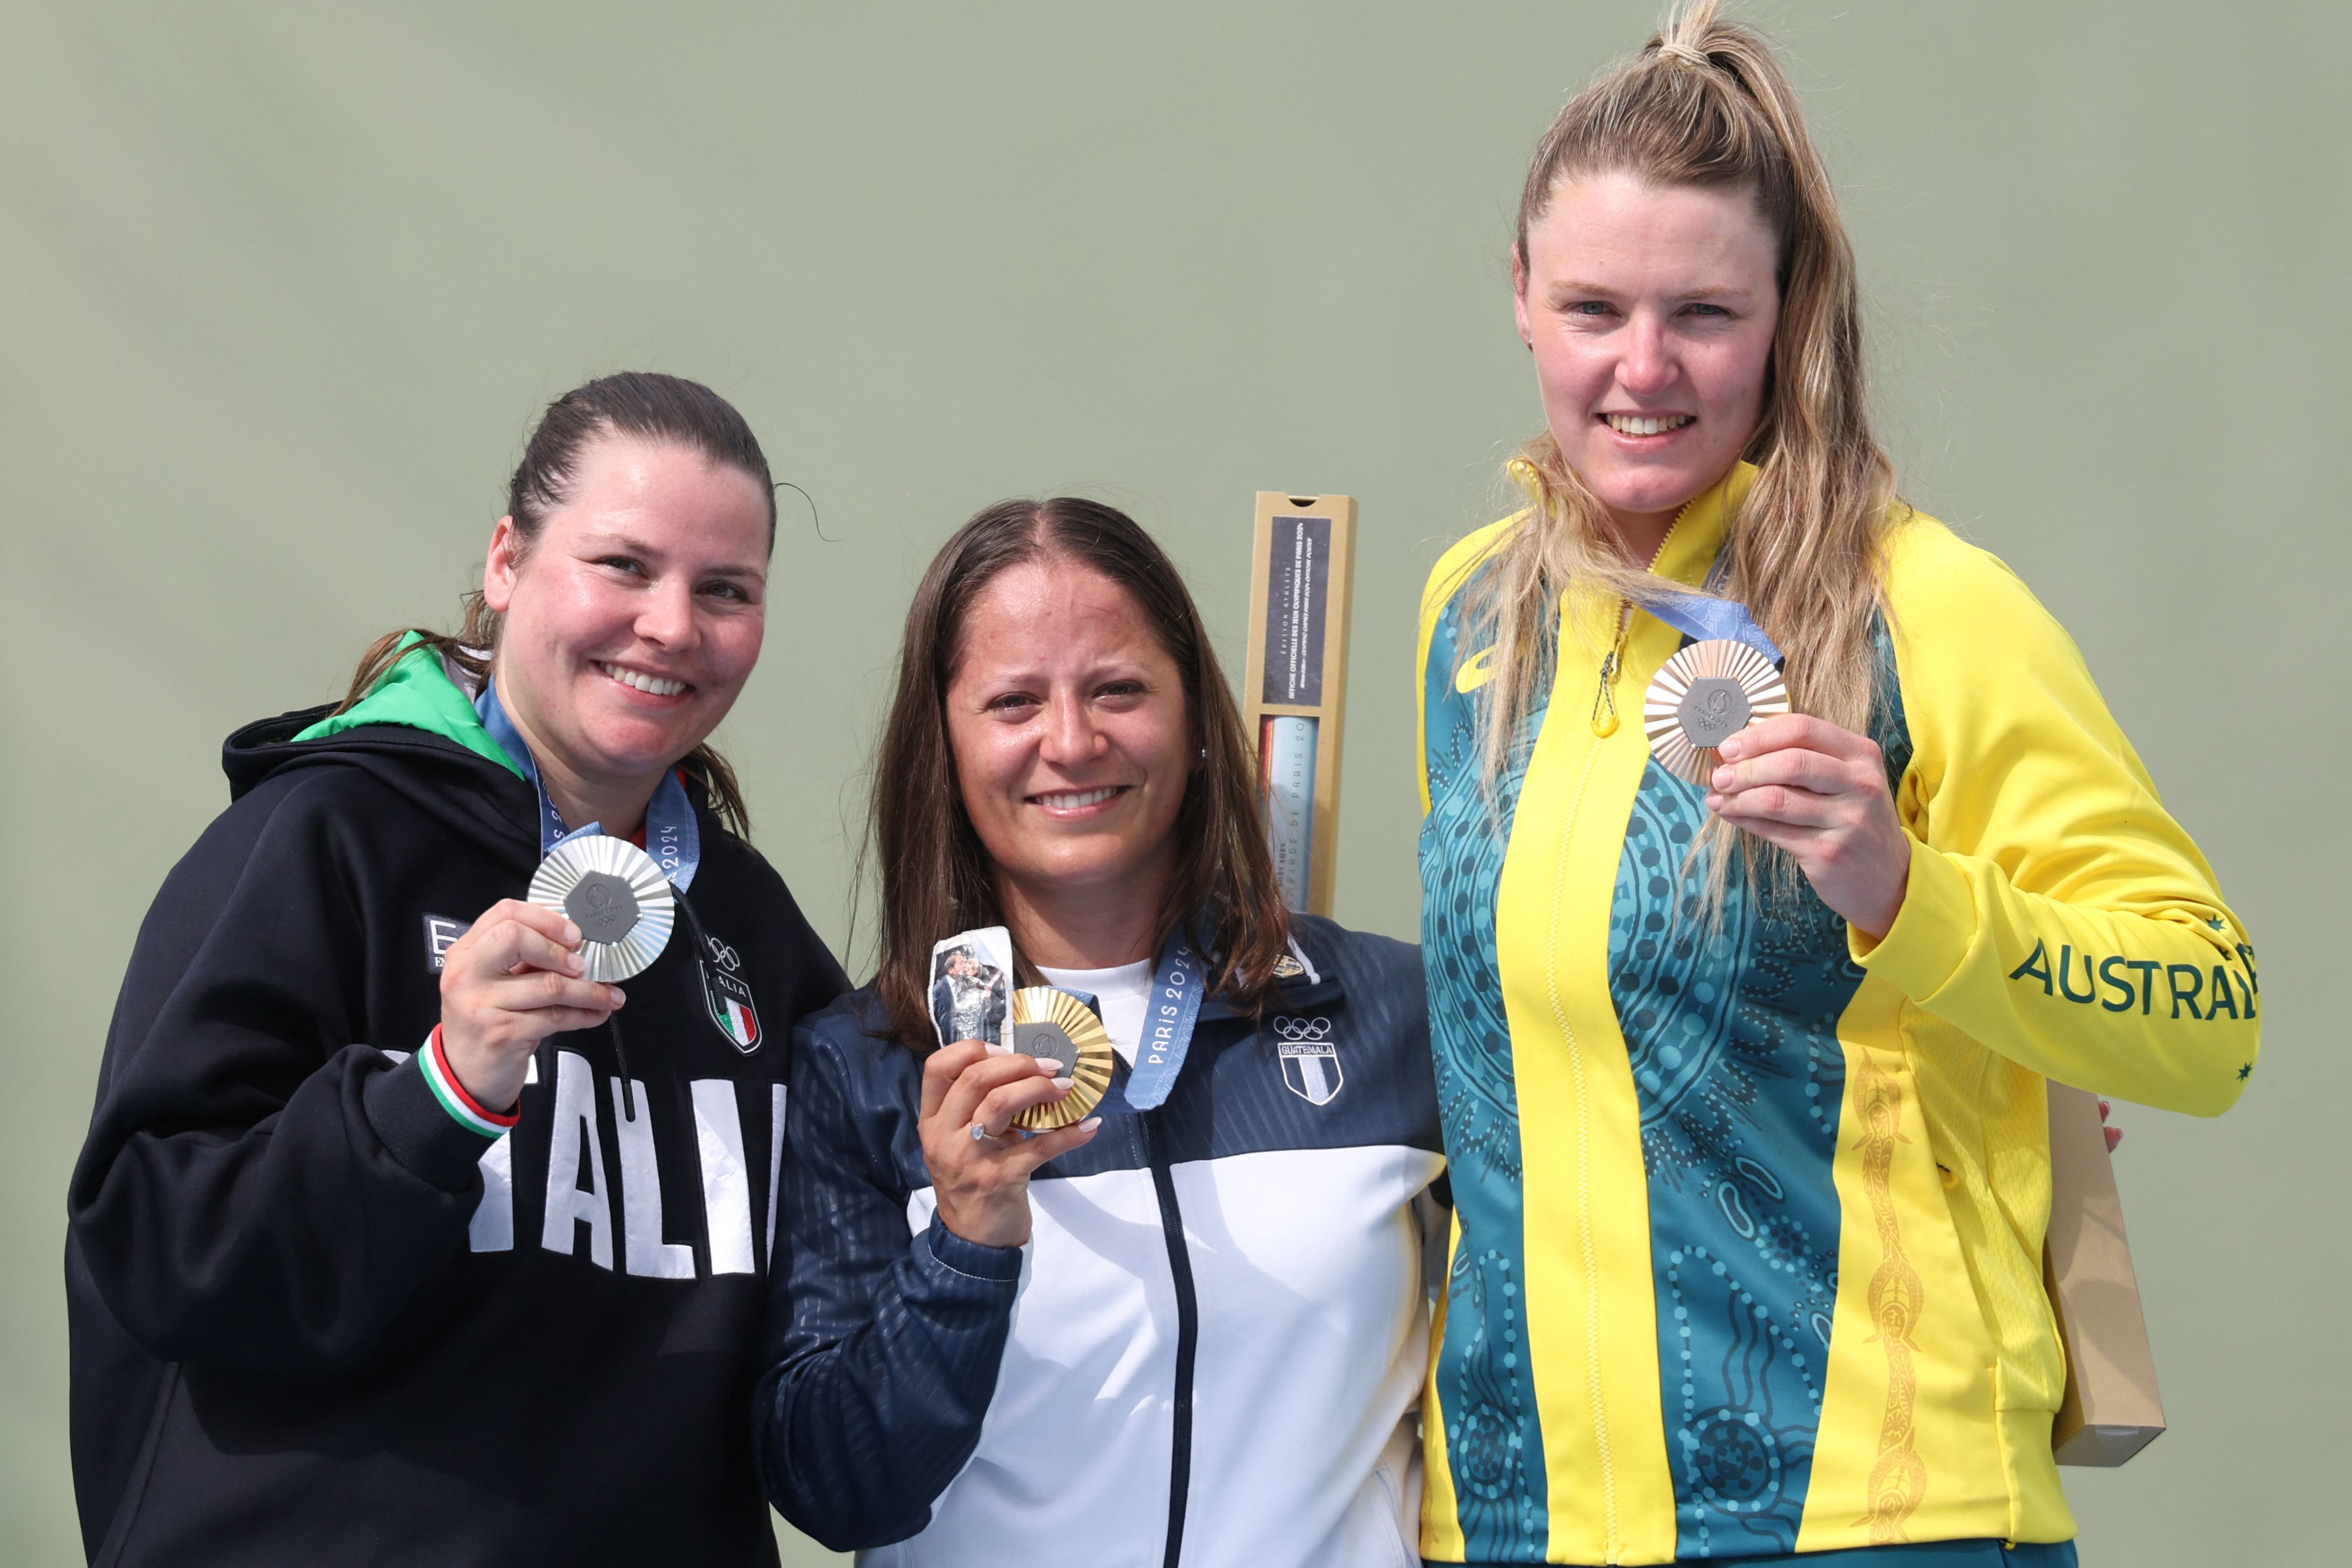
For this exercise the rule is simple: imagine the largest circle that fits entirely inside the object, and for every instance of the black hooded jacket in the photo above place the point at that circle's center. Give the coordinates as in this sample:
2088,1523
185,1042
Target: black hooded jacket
317,1320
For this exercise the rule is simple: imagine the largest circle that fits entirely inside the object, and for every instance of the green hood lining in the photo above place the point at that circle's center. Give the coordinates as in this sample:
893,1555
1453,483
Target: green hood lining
418,692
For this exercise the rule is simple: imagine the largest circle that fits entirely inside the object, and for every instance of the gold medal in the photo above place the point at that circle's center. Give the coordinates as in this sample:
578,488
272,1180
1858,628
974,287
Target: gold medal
618,897
1053,1023
1702,697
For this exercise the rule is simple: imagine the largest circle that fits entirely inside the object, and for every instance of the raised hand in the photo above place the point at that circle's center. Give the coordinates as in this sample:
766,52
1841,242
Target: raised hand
980,1170
506,984
1819,792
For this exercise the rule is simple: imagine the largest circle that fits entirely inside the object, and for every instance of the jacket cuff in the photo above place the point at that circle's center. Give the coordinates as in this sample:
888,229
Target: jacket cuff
971,1259
420,1134
1932,932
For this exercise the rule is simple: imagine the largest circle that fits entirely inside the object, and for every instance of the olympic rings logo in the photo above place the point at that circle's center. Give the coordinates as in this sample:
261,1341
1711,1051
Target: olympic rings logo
1296,1028
723,953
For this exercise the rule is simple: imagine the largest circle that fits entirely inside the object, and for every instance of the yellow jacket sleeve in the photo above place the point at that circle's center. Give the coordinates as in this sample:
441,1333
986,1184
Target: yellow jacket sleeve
2055,913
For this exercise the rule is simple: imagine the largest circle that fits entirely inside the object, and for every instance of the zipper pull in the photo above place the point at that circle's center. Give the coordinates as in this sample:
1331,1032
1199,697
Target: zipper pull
1604,699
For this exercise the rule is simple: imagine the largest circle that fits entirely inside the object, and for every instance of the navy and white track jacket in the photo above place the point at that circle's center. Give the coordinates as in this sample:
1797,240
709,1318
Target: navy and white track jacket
1209,1352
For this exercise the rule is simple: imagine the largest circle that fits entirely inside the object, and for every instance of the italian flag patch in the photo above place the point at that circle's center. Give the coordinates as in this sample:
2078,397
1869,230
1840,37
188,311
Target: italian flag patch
732,1009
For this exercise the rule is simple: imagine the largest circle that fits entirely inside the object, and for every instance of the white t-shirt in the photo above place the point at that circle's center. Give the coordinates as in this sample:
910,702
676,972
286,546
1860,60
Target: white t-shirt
1122,992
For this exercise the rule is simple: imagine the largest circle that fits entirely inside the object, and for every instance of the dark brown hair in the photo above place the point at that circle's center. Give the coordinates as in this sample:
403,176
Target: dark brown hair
937,878
643,404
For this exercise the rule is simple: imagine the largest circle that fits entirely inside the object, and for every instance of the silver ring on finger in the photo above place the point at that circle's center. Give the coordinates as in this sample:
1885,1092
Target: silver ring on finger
979,1133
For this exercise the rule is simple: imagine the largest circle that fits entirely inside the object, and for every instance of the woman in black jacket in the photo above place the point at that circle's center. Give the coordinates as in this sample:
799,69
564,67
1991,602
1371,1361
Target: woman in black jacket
386,1245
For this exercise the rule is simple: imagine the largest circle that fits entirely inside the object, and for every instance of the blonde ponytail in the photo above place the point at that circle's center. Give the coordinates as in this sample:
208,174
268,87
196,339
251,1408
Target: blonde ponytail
1705,103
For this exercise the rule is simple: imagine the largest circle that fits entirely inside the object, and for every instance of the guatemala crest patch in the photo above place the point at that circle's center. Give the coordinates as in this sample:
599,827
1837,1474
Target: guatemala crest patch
731,1008
1310,1062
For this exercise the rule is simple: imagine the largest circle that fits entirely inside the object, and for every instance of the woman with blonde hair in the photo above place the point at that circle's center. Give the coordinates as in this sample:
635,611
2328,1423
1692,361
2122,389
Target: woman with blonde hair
1778,848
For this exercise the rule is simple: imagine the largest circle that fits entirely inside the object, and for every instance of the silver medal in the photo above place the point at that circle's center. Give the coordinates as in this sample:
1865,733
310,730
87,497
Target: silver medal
618,897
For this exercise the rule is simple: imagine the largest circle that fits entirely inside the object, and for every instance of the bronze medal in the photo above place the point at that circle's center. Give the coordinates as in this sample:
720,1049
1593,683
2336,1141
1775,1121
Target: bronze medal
1702,696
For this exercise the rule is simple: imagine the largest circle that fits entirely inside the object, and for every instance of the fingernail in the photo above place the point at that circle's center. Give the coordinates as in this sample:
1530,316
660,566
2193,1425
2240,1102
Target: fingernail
619,995
1063,1085
1090,1124
1713,803
1725,777
571,934
995,1049
576,963
1730,747
1048,1064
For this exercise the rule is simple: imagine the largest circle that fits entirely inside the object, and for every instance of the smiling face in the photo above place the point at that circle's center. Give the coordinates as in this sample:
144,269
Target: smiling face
1651,310
1072,745
631,622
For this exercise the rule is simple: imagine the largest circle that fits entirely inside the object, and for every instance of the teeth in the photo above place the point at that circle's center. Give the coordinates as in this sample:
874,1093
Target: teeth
653,683
1071,801
1635,425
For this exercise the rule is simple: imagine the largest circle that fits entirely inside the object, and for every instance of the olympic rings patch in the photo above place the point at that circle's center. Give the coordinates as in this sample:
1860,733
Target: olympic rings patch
1310,1062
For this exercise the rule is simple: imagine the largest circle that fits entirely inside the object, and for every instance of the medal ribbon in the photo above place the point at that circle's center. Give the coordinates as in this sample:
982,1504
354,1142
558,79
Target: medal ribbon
672,837
1704,616
1172,1008
1695,615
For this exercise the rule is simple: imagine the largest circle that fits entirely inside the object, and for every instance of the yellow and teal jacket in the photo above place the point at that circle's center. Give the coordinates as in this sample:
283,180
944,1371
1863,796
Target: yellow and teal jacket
1747,1257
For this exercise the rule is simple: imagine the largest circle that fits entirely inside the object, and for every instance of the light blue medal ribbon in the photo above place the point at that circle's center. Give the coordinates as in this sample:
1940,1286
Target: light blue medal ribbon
672,836
1172,1008
1705,616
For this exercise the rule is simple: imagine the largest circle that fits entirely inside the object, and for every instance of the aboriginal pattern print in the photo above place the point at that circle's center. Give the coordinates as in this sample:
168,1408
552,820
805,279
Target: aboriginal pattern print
1730,1022
1898,1478
1486,1387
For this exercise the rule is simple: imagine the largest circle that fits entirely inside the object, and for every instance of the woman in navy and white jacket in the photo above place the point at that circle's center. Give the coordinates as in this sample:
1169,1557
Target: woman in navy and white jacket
1194,1332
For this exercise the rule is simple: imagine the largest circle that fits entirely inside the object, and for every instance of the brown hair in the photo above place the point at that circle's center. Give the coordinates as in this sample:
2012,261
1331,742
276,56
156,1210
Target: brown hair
1705,103
648,406
936,878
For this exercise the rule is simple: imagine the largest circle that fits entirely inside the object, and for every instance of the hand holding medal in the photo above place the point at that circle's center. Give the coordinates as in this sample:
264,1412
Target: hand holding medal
1718,714
516,977
1821,793
618,896
611,903
1011,1087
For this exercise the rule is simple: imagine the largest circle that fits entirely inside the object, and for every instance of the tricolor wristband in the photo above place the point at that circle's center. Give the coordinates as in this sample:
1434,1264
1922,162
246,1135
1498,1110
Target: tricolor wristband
468,1111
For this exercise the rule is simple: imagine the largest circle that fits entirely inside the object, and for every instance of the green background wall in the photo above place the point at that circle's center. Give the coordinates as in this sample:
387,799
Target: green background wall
281,286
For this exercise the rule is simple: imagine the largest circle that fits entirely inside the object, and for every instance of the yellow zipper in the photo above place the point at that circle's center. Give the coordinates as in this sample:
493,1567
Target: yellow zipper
1613,1540
1604,699
1605,725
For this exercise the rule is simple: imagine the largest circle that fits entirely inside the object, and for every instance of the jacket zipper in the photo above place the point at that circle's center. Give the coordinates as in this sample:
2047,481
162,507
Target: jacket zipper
1603,723
1604,699
1188,1340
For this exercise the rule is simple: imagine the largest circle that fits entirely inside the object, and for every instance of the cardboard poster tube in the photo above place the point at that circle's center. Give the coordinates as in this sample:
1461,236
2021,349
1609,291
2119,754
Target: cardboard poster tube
1295,688
1286,750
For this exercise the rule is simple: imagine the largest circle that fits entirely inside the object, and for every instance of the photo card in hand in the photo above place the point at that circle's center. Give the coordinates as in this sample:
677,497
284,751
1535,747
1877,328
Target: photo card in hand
971,987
